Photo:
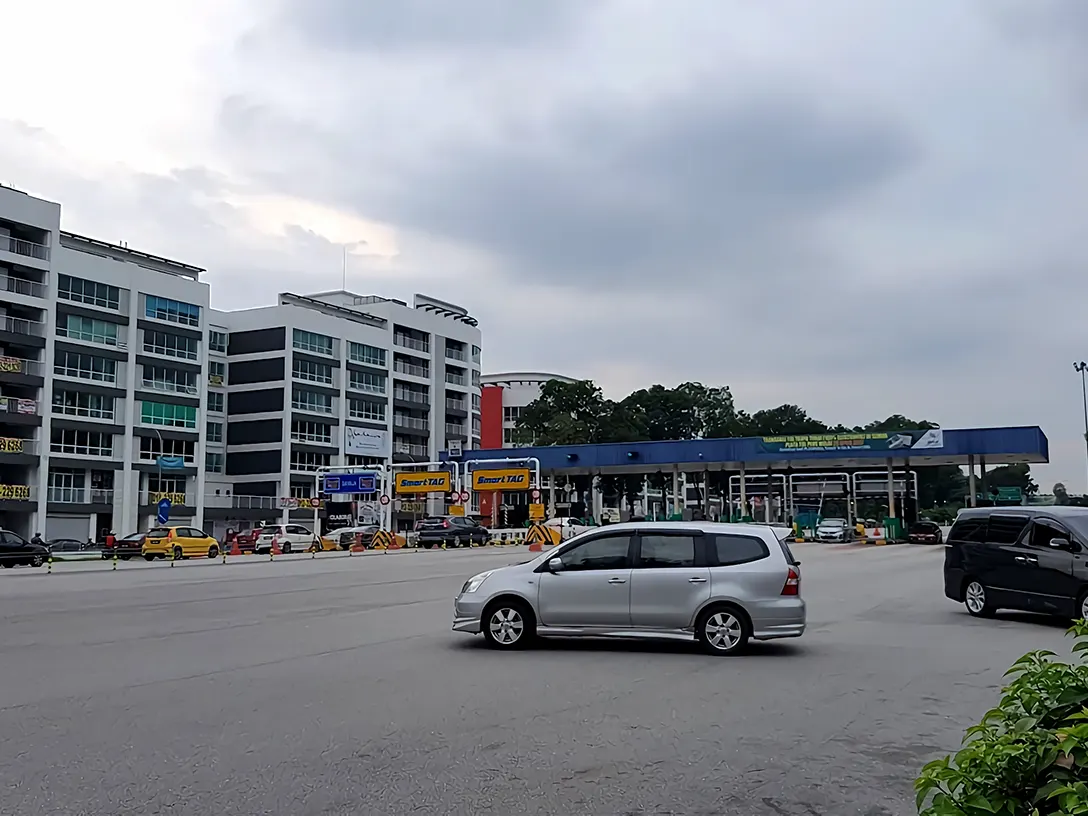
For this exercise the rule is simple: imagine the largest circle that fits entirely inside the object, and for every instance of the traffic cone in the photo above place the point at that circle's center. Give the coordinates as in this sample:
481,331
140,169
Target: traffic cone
275,548
234,548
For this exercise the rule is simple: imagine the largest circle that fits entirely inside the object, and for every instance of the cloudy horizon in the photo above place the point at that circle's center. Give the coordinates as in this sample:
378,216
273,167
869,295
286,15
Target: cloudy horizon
862,208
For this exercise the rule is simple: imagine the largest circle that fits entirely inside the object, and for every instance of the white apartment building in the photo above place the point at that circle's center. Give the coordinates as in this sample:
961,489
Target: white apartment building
505,396
336,379
103,380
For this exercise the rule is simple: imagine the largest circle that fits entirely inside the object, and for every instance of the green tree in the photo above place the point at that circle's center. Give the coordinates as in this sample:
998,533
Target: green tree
564,414
785,420
1013,476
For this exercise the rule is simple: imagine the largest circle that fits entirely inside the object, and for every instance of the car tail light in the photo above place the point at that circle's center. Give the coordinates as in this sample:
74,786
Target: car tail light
445,522
793,582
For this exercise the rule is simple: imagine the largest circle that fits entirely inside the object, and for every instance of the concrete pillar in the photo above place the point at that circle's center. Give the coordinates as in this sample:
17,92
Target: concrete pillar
891,488
743,494
972,501
676,503
706,492
551,494
982,477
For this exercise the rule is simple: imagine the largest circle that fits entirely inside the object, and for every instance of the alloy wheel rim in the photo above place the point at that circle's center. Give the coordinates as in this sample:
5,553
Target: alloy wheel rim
507,626
1084,608
976,597
723,630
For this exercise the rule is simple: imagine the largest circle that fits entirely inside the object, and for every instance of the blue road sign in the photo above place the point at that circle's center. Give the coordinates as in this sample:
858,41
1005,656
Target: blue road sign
351,483
164,510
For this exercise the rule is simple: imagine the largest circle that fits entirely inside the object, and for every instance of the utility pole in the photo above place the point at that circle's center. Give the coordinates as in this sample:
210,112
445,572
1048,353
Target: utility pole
1081,367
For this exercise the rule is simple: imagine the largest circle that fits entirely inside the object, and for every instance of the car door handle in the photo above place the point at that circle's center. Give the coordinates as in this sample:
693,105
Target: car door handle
617,580
696,580
1025,559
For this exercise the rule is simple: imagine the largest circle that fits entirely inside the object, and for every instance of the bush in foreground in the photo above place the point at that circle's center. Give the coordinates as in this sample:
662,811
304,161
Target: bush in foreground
1028,756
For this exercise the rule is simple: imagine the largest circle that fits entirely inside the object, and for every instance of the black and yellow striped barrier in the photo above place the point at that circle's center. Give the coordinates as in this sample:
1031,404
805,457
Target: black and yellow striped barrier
382,540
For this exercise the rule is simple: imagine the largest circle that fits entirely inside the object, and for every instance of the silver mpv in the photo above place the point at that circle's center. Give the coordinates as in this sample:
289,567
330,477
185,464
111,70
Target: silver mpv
721,584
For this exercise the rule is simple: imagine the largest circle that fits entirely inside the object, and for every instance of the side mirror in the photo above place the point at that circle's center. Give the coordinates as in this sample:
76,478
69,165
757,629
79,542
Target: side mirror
555,565
1060,544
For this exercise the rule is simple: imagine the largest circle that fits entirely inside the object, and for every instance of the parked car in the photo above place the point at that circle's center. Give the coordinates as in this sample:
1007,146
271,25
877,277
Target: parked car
1033,559
343,537
834,529
247,539
70,545
718,584
453,531
16,550
179,542
124,547
292,538
925,532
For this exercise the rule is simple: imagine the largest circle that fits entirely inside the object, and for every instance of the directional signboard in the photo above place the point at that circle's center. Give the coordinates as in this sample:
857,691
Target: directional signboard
429,482
504,479
350,483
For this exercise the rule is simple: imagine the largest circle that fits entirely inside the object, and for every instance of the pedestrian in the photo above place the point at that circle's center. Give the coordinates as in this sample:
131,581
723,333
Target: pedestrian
37,540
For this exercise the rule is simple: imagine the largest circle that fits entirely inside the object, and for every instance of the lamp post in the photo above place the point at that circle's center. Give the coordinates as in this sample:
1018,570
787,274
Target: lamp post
1080,368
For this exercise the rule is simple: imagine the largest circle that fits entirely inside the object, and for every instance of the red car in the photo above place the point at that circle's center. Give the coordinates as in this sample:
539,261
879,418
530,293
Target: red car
247,540
925,532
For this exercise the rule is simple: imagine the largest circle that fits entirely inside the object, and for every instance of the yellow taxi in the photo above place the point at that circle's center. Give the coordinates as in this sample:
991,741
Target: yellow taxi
177,543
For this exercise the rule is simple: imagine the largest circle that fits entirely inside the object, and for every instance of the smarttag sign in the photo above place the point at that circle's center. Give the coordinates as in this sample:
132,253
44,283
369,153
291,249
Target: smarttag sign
435,482
507,479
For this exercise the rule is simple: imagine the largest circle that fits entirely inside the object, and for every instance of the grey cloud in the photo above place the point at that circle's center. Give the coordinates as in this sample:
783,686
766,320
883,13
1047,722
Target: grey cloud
398,25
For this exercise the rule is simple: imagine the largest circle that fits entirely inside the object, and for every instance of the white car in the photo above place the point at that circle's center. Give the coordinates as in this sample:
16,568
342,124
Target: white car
567,527
833,529
292,538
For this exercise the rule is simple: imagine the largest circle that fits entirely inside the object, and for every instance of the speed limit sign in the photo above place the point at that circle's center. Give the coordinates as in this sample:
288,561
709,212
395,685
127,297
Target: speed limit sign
535,494
464,495
384,499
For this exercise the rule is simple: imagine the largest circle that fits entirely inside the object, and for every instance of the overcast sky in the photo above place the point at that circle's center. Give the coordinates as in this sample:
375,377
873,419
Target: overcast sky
864,207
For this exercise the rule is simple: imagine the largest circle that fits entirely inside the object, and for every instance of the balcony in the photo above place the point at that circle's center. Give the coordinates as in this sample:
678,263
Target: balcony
243,502
118,340
456,379
357,384
21,286
153,457
17,325
410,422
18,492
455,430
409,450
166,387
79,495
405,341
151,497
305,466
13,444
17,365
12,405
456,354
401,367
456,405
312,438
28,249
407,395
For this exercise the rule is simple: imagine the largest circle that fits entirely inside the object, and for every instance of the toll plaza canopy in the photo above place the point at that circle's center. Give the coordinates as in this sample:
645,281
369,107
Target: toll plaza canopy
970,446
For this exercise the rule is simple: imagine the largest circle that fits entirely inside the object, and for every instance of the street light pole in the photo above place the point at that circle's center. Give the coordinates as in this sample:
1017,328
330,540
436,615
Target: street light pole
1081,368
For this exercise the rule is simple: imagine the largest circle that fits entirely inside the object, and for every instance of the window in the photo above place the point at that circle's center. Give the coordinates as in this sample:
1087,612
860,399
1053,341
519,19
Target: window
171,345
1005,529
217,341
366,381
157,485
364,409
67,485
173,416
161,378
741,549
475,354
151,449
75,403
305,431
508,436
92,293
666,552
85,366
1043,531
311,371
81,443
605,553
215,402
476,378
311,401
509,414
309,461
311,341
365,461
89,330
369,355
213,462
217,373
475,402
968,529
175,311
475,426
215,432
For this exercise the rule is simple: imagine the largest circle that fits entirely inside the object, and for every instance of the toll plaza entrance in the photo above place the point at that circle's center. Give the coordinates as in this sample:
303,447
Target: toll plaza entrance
414,486
505,479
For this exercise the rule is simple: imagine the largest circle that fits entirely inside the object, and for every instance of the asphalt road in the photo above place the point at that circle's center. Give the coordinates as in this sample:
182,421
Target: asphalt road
334,686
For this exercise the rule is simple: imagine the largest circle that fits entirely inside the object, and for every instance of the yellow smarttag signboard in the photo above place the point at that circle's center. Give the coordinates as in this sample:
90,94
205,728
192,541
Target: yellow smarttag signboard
423,482
506,479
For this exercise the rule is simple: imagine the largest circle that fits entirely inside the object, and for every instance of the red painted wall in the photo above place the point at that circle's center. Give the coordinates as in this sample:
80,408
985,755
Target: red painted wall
490,435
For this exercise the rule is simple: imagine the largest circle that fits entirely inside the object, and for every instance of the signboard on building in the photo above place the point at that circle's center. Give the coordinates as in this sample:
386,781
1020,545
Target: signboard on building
295,503
505,479
411,507
430,482
901,443
11,365
14,491
366,442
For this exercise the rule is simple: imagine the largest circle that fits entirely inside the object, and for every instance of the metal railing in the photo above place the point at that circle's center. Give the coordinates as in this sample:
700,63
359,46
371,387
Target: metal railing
79,495
408,395
457,405
242,502
317,376
17,325
410,450
455,379
169,387
456,354
28,249
18,492
18,365
317,439
153,456
155,496
410,342
13,444
14,405
21,286
411,370
315,408
355,384
455,430
410,422
306,467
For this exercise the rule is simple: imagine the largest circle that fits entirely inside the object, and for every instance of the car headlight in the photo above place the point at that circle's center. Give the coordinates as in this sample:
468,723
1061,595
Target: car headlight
474,583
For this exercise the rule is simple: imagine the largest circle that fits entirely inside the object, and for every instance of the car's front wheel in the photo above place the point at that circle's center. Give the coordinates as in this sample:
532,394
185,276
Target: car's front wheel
723,630
508,624
37,560
178,553
213,551
976,600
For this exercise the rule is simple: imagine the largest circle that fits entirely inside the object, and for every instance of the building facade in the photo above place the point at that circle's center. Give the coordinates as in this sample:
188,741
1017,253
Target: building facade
337,379
103,380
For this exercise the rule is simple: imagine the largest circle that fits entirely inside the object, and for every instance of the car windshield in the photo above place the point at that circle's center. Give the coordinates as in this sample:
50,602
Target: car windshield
1079,524
133,537
924,527
833,523
158,532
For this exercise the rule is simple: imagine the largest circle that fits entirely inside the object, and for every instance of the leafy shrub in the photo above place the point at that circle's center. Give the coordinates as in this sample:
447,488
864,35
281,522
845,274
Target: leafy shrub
1028,756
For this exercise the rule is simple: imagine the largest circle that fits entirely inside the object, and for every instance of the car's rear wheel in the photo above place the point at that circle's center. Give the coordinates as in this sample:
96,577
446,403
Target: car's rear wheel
1083,606
976,600
125,557
508,624
723,630
427,544
287,548
213,551
149,558
178,553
